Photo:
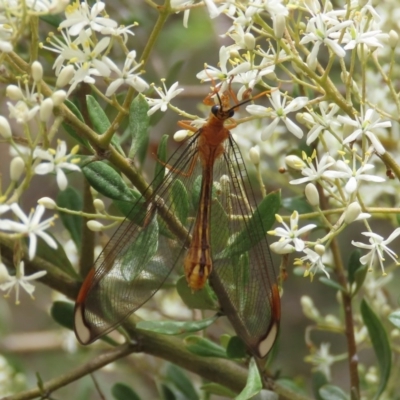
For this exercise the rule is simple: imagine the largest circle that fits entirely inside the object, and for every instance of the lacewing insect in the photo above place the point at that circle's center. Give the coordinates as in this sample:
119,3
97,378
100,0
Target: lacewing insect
198,215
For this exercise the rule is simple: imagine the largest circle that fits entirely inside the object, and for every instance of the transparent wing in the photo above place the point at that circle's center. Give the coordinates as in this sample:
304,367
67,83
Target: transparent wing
243,276
142,252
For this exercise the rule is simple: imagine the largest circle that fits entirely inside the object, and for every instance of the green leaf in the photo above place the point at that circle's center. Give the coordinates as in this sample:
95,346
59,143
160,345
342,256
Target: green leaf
380,344
107,181
138,125
52,19
204,347
319,379
394,318
357,272
72,200
259,223
125,207
298,203
180,201
332,392
291,385
236,348
120,391
63,313
176,327
69,129
100,121
219,390
159,171
179,379
332,284
56,256
253,384
204,299
166,393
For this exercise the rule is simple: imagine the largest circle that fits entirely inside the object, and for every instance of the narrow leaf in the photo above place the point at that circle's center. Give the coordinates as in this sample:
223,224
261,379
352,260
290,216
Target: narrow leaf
107,181
319,379
176,327
69,129
204,347
332,392
56,256
394,318
298,203
219,390
180,380
120,391
63,313
100,121
159,171
138,124
332,284
380,344
204,299
72,200
253,384
236,348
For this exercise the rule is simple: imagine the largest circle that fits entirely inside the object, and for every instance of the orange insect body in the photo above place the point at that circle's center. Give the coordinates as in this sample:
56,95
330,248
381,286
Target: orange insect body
198,261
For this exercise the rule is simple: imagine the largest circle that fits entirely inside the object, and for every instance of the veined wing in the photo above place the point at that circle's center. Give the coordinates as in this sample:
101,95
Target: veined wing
142,252
243,276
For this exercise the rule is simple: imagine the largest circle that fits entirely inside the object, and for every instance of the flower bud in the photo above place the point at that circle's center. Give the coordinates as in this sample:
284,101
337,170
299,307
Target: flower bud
65,76
181,135
48,203
58,97
37,71
312,194
294,162
254,154
46,109
17,167
95,226
393,39
309,309
249,41
99,205
352,212
5,129
319,249
279,22
14,92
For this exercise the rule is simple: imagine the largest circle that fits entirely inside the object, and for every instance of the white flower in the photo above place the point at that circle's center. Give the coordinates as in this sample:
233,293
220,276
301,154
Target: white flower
21,112
166,96
377,248
365,125
30,226
314,173
313,262
211,73
290,234
322,360
319,33
352,175
360,34
8,282
183,3
279,112
326,121
126,75
79,15
58,160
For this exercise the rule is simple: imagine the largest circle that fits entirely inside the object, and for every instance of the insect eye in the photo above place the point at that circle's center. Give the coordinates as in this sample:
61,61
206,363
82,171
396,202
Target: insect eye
231,113
215,109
